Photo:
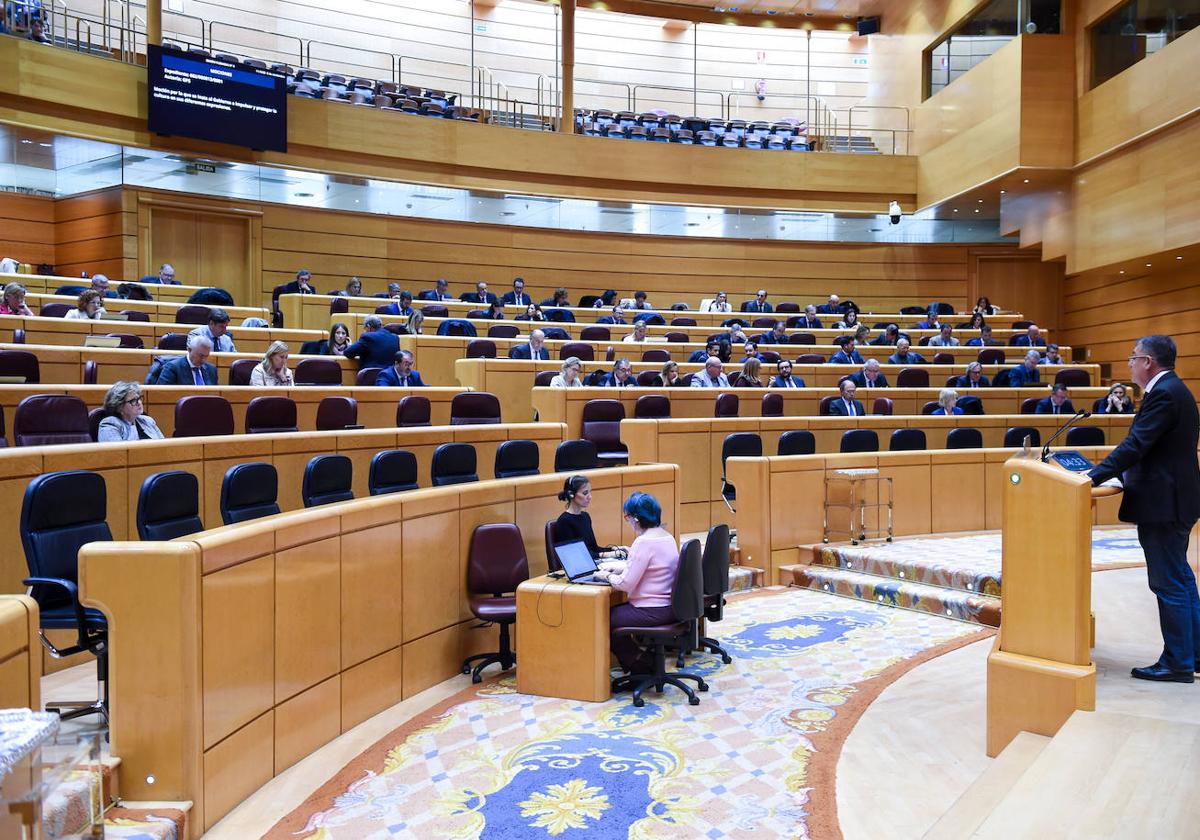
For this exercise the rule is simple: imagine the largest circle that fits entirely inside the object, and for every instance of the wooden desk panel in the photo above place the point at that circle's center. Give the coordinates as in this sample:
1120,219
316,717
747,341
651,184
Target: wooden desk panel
20,653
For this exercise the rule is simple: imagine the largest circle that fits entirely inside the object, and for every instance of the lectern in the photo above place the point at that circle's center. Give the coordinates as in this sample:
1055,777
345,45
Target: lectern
1040,669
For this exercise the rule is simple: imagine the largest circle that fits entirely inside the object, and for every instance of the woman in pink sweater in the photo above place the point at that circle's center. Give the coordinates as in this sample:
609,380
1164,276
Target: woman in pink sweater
648,576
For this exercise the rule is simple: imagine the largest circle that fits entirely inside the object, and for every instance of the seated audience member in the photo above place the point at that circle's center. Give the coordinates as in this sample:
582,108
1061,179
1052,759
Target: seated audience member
495,311
376,347
339,340
833,306
862,335
534,350
615,316
947,403
481,295
8,265
533,312
353,289
888,337
416,322
847,355
945,338
561,298
133,291
647,576
87,307
101,284
517,296
870,376
783,376
14,301
607,299
621,375
669,376
401,305
973,378
302,285
1032,338
400,374
750,350
1057,403
984,307
575,524
393,291
777,335
254,323
984,339
273,372
1053,357
933,321
845,405
749,376
1117,401
759,304
193,368
640,302
809,321
166,275
904,355
711,376
125,419
720,303
37,32
976,323
849,321
1026,373
638,334
568,376
713,348
216,331
737,335
439,292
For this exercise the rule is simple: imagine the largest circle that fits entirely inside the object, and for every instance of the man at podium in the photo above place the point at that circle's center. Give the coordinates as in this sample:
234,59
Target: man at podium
1157,461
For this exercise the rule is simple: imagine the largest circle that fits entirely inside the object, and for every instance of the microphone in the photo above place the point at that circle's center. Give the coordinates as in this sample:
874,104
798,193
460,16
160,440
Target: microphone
1079,415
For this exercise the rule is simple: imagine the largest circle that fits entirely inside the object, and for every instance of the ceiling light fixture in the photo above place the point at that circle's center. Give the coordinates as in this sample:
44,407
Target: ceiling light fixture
1026,180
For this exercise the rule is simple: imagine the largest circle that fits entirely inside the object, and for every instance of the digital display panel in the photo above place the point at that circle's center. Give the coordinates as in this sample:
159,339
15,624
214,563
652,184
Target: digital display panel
1072,461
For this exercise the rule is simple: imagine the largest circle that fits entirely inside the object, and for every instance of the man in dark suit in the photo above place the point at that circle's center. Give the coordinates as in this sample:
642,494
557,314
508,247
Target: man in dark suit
973,378
759,304
376,347
809,320
845,405
621,375
481,295
401,373
870,376
517,296
1157,463
847,355
302,285
1057,403
831,307
192,369
1032,338
1026,373
777,335
401,305
439,292
533,350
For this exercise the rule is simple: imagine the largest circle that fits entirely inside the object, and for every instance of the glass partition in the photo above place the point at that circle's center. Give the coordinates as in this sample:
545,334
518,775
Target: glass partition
1136,30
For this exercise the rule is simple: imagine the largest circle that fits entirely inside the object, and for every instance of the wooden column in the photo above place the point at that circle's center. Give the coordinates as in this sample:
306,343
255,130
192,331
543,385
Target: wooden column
567,120
154,22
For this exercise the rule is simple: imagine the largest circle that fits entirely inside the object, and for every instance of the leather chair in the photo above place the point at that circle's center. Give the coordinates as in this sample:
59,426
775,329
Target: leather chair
737,445
169,506
435,310
94,417
55,310
135,315
474,408
544,378
801,337
715,568
811,359
943,358
762,323
271,415
128,341
392,471
366,377
200,415
726,405
50,420
18,336
20,363
991,356
647,379
318,372
249,491
652,407
192,314
453,463
581,350
503,331
60,513
907,440
930,407
970,404
772,405
676,337
516,458
3,431
335,413
657,355
595,332
496,566
601,424
912,378
882,407
575,456
553,564
797,442
90,372
175,341
823,406
1014,437
1085,436
327,479
555,333
1073,378
413,410
1029,405
687,601
860,440
481,348
240,370
964,439
339,306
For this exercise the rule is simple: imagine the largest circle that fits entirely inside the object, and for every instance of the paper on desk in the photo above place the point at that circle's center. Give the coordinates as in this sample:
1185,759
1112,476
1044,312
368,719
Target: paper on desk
1115,481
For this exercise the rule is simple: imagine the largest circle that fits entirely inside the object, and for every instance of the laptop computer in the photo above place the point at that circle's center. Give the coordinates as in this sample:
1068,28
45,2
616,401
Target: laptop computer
577,563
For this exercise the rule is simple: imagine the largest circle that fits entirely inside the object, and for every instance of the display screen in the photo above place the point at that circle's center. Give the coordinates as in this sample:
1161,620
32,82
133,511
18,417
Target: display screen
1072,461
193,96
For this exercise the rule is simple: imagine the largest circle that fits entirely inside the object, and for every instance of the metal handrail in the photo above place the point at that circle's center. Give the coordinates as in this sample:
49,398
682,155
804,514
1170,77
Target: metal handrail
393,63
212,43
694,91
826,120
626,85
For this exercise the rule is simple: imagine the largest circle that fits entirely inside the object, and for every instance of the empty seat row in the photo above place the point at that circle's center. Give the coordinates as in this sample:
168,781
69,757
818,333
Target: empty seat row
684,137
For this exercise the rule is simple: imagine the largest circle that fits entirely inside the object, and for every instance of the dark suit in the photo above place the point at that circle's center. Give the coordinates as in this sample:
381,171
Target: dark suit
395,309
964,381
755,306
1046,406
293,288
860,379
179,372
610,381
1020,376
771,338
485,299
374,349
389,379
837,408
840,358
525,351
513,299
806,324
1023,341
1162,495
829,309
792,382
433,294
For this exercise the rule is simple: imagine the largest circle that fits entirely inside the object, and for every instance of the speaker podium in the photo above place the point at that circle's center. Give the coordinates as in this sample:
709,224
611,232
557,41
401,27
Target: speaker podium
1040,670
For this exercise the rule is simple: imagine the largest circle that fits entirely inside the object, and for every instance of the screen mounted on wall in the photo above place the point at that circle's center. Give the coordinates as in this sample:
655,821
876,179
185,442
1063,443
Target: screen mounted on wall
193,96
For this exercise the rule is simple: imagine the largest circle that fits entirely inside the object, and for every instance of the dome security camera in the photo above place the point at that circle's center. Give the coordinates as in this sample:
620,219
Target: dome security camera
894,212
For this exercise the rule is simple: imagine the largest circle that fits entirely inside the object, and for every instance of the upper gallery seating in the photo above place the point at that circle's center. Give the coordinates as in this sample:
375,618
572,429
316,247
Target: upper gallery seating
789,134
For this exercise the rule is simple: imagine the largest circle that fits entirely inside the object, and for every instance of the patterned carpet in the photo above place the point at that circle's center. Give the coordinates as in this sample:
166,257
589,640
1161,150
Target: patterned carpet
756,758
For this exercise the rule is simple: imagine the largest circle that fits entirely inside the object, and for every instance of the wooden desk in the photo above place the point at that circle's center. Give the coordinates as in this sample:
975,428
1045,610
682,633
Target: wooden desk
562,639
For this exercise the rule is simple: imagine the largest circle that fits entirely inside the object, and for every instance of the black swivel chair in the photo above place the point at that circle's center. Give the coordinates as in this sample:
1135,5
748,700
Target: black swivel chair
1085,436
964,438
907,440
715,568
575,456
453,463
737,445
797,442
61,513
392,471
1014,437
249,491
327,479
169,506
515,458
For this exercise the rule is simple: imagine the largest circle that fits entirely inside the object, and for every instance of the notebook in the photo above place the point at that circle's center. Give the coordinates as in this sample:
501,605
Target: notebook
577,563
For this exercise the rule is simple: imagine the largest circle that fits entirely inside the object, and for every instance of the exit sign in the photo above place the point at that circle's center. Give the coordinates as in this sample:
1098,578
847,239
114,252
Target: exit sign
859,61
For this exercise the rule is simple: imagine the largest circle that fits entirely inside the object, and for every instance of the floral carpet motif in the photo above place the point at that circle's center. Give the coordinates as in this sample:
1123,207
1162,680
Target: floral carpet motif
493,763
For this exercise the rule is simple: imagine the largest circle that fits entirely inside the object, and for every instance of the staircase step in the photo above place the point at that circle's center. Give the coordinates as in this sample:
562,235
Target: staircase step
888,561
148,820
980,799
745,578
952,603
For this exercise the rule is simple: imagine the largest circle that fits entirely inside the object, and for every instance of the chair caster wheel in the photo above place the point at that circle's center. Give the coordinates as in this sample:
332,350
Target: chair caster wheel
727,659
639,703
478,678
693,701
703,686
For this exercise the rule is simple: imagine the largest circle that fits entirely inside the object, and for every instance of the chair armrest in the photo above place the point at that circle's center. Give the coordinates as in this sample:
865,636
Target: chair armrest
73,590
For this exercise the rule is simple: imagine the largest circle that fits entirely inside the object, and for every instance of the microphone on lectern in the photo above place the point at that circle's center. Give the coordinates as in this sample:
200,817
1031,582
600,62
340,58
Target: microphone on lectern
1082,414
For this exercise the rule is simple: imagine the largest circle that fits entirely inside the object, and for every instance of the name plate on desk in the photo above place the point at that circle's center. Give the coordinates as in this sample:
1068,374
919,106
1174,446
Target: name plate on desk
1072,461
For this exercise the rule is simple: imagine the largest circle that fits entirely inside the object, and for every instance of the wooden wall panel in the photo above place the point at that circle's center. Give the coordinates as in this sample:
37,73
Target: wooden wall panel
27,228
1030,285
95,233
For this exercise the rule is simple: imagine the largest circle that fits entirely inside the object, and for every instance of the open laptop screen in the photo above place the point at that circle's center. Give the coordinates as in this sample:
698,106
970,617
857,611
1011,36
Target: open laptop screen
576,559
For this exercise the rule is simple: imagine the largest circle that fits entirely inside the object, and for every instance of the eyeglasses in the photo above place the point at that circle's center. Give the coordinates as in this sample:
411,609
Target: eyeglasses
134,401
1139,356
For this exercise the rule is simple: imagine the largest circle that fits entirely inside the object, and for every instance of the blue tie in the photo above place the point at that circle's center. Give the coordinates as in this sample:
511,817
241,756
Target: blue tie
197,376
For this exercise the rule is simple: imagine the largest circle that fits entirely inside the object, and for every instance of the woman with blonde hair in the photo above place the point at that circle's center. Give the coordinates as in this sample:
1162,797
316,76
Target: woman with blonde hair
569,376
415,321
749,377
273,372
14,301
947,403
669,376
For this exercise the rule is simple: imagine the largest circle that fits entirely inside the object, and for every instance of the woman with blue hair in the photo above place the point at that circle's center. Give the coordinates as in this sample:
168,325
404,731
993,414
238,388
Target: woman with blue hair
647,575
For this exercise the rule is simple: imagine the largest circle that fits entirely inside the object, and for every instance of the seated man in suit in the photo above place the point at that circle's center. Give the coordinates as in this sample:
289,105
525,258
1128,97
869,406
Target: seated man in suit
192,369
640,302
1057,403
1026,373
759,304
559,298
750,350
888,337
713,348
712,376
1032,338
932,321
621,375
945,338
100,283
777,335
973,378
302,285
481,295
1053,357
166,276
401,373
532,350
845,405
517,296
217,331
847,355
870,376
831,307
905,356
376,347
809,320
984,339
783,376
402,305
615,317
439,292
